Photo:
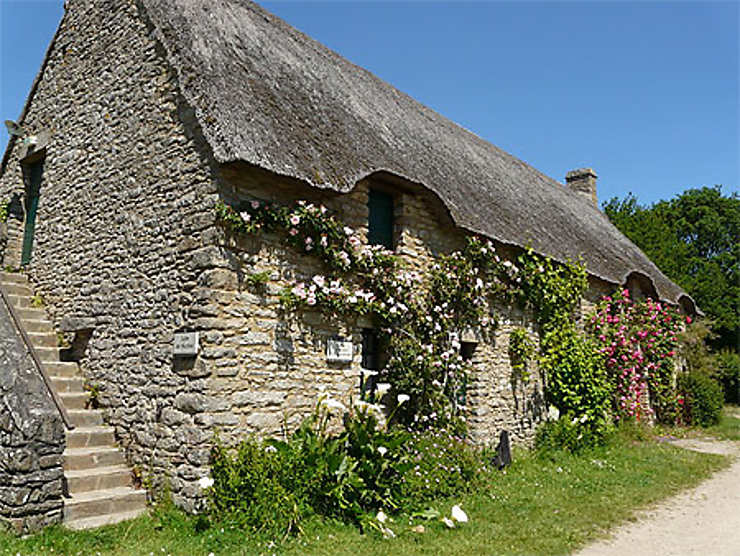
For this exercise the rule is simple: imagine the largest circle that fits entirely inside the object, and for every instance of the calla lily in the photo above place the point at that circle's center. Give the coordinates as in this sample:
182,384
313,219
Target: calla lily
459,515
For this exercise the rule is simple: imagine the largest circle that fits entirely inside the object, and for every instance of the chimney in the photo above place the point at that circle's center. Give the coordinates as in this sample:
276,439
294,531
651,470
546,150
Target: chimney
583,182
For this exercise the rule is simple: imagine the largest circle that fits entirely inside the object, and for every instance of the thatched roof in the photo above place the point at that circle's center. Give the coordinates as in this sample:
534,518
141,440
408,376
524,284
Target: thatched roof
267,94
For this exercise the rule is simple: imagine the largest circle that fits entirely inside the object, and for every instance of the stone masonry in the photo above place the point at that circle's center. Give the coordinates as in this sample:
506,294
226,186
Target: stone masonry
31,439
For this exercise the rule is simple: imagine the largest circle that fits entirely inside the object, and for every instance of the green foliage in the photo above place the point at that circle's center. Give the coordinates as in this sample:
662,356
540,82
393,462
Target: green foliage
4,211
568,434
521,351
270,486
728,374
576,379
693,238
248,488
702,399
442,464
257,280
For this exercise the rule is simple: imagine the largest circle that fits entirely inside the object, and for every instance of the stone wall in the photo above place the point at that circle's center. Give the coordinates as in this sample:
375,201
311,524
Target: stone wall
31,439
125,206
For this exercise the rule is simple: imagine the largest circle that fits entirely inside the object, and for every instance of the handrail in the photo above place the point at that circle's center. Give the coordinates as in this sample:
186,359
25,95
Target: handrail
37,361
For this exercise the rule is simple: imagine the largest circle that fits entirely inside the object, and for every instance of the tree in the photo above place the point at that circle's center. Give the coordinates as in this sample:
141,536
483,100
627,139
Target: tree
695,240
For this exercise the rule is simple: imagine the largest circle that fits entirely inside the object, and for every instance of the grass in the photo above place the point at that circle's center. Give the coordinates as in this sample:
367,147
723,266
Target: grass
728,427
541,505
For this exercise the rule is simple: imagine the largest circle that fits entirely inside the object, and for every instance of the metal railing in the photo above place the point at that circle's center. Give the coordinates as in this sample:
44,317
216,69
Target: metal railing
37,362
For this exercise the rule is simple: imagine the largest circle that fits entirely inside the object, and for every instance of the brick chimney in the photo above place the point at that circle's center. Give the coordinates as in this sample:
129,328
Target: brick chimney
583,181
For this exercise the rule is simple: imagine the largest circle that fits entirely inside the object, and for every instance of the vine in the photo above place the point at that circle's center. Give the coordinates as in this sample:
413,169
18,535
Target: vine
638,340
420,316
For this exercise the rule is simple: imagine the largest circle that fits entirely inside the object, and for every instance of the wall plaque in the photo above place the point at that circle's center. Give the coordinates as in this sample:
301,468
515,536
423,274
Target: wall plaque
186,344
339,350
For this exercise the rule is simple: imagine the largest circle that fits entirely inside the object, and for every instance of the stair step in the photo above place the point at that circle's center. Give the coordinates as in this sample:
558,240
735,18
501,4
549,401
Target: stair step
61,369
90,437
75,400
101,520
30,313
21,301
17,289
40,325
43,339
86,458
47,354
86,417
103,502
13,278
98,478
71,384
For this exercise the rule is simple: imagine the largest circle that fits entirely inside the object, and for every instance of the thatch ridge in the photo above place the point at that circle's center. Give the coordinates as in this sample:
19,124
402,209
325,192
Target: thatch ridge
267,94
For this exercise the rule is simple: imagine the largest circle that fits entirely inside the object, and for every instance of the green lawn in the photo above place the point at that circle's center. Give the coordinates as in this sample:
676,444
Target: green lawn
539,506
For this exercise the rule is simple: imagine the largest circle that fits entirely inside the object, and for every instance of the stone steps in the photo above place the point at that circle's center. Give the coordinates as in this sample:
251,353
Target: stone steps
97,503
88,458
101,520
67,383
99,478
95,470
86,417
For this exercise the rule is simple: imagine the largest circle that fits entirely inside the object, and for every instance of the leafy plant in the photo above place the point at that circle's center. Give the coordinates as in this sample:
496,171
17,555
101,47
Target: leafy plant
702,399
93,400
37,301
521,351
4,211
257,280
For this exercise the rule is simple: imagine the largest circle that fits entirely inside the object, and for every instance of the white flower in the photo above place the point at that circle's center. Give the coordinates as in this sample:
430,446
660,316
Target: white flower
270,449
402,398
447,521
383,388
388,533
205,482
348,231
295,219
381,516
330,403
382,450
553,414
319,280
245,216
459,515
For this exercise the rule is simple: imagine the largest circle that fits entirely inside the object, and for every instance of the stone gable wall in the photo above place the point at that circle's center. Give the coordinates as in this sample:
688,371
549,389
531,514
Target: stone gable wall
31,439
126,202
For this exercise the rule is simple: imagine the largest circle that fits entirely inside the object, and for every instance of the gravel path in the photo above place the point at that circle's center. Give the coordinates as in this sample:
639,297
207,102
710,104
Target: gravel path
704,520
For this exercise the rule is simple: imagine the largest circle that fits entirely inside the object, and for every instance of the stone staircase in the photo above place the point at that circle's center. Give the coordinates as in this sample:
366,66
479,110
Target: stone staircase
99,490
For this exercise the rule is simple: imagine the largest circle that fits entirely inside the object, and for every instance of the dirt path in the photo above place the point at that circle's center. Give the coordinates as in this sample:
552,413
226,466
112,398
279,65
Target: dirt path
704,520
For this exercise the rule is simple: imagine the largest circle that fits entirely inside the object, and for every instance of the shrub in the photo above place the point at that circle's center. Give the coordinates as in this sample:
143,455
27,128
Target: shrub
728,373
569,434
248,488
441,465
702,399
269,486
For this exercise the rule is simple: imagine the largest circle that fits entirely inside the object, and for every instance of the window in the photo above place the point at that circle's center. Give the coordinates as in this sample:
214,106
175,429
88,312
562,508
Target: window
370,358
380,220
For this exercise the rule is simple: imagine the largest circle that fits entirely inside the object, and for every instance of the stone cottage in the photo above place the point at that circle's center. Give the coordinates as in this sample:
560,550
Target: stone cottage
146,114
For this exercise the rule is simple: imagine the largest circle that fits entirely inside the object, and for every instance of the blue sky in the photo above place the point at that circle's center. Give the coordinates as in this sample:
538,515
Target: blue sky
646,93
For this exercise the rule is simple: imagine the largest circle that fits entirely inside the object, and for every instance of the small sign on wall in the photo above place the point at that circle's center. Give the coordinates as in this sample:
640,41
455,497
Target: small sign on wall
186,344
338,350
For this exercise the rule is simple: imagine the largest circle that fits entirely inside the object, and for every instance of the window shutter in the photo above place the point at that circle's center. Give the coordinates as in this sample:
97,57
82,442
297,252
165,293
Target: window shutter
380,221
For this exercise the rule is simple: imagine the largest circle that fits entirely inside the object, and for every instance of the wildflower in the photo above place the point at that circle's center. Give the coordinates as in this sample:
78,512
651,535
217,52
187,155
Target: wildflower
293,231
205,482
295,220
459,515
270,449
383,388
382,450
245,216
319,280
402,398
381,516
447,521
